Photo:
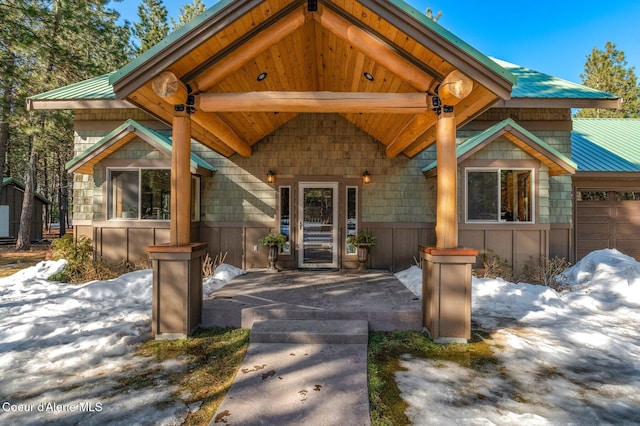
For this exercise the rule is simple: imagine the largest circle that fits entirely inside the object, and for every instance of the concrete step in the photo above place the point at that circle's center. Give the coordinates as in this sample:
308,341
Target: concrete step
276,313
316,331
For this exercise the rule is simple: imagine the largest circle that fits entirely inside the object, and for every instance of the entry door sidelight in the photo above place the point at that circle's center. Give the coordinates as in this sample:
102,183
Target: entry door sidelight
317,225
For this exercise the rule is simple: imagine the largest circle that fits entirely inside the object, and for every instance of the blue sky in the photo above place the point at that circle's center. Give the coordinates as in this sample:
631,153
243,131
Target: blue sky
553,37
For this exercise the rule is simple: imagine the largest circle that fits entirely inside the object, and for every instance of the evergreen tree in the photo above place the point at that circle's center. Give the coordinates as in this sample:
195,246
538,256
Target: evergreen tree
47,44
153,26
16,20
187,13
607,70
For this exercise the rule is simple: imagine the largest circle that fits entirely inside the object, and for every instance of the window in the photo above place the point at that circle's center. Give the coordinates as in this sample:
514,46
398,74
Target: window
627,196
195,198
285,217
352,215
592,196
499,195
139,194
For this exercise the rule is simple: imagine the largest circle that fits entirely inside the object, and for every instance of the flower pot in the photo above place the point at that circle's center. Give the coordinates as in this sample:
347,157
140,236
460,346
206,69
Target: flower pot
363,256
273,258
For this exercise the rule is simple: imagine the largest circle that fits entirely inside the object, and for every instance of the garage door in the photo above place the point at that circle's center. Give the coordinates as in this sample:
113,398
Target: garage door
608,219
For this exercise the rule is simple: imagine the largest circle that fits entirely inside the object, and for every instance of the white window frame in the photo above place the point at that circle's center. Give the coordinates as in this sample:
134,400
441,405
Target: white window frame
286,249
347,249
498,170
195,198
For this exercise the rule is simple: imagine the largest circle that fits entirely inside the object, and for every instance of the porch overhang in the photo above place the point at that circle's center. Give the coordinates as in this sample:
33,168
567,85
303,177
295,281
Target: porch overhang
349,57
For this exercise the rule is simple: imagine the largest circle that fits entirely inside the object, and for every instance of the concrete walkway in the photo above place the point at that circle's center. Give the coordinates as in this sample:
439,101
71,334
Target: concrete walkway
307,359
299,384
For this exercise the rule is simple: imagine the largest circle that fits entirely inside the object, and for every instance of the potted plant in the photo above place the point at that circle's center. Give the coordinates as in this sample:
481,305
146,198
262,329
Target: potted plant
275,241
362,241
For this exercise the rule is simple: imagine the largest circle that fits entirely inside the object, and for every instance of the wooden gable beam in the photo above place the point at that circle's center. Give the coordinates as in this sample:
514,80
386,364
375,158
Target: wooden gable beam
375,48
249,49
169,87
453,89
420,124
216,125
329,102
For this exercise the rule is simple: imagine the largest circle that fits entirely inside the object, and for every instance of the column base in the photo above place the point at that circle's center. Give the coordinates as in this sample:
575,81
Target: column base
446,293
177,289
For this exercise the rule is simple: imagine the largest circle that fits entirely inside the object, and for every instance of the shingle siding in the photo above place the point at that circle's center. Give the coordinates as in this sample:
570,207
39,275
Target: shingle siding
318,145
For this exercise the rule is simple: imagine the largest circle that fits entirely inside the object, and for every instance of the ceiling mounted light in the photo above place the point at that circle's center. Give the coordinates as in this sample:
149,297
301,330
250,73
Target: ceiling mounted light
261,76
368,76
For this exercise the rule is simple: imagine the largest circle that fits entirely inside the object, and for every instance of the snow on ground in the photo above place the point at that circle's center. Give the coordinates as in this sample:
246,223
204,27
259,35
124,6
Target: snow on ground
566,358
66,350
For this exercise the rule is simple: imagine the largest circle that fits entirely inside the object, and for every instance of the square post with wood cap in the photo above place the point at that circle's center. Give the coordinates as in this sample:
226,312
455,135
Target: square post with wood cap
446,274
177,267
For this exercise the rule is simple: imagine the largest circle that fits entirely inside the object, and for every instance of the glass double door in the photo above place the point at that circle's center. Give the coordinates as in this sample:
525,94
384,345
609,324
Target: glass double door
317,225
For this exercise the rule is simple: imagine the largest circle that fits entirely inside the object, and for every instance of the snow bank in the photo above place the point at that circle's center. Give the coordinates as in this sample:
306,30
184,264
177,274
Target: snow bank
66,350
224,274
565,358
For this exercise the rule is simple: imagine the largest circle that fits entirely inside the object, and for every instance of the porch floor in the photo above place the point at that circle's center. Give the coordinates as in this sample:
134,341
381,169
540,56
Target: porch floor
373,295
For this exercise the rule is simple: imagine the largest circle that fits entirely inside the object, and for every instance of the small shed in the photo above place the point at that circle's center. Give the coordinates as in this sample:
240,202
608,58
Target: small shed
11,196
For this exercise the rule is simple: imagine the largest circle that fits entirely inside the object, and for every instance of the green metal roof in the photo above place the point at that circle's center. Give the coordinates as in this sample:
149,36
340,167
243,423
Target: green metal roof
477,142
93,88
162,141
454,40
19,184
538,85
606,144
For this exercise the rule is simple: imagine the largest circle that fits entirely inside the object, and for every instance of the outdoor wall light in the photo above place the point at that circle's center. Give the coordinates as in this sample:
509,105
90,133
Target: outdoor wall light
366,177
271,177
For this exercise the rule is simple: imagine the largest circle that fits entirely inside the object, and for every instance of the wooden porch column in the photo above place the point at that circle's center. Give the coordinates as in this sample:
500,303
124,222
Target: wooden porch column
453,89
447,184
180,231
446,274
177,268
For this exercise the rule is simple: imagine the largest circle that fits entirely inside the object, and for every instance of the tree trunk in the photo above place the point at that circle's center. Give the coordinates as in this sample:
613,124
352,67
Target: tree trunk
26,216
47,184
5,108
63,201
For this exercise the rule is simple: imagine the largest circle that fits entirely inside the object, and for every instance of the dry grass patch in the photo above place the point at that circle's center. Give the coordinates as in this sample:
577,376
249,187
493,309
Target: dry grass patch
12,261
214,355
386,406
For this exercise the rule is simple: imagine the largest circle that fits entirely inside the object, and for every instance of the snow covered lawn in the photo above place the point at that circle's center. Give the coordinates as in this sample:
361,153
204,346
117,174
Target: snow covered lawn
566,358
67,351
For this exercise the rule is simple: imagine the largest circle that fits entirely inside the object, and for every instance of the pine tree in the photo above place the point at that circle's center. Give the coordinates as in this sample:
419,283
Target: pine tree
153,26
187,13
16,19
47,44
607,70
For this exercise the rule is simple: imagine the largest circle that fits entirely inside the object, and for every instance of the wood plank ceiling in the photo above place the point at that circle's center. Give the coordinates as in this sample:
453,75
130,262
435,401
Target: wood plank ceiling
332,49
